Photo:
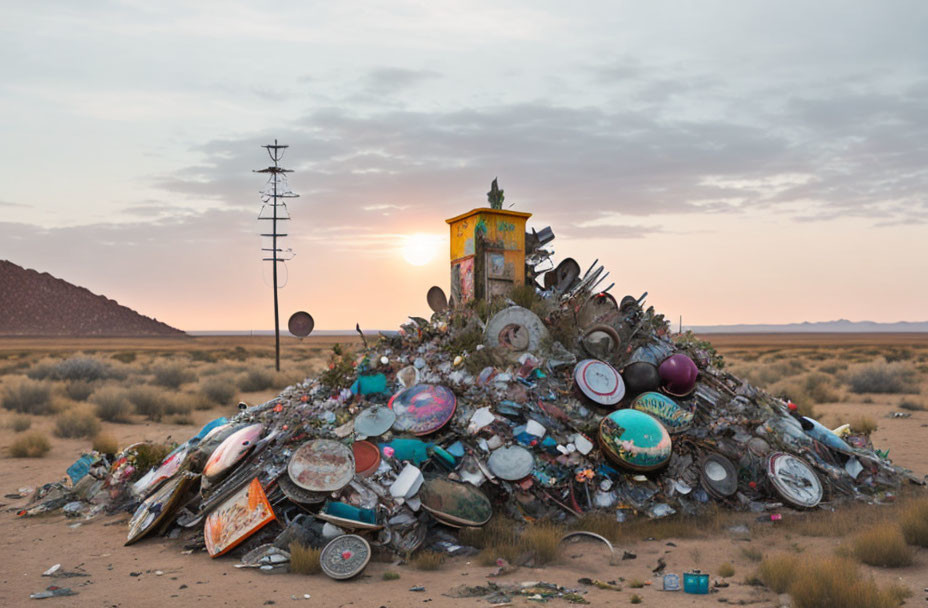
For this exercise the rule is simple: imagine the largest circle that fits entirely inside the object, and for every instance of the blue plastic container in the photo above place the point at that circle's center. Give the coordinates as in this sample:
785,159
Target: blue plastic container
696,582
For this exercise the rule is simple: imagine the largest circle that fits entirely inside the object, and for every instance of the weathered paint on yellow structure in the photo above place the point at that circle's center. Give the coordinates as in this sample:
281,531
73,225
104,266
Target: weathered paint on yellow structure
501,237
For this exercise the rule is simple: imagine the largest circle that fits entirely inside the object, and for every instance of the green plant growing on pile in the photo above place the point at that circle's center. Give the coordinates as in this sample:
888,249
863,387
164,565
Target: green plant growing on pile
31,445
105,444
149,455
304,560
691,344
340,371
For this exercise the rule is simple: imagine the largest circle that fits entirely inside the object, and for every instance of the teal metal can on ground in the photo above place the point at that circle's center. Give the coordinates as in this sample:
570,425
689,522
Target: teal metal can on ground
696,582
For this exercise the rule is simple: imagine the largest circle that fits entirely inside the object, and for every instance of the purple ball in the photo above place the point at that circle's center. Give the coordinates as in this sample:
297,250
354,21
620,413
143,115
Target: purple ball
678,375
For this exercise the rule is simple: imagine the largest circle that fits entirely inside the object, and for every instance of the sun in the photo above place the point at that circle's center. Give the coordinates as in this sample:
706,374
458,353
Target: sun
420,249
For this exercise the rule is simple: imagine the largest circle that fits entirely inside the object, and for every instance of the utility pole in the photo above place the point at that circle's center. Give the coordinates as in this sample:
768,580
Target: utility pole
272,196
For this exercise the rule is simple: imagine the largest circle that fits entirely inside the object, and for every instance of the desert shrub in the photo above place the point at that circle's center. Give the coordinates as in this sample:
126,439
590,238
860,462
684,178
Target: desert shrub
203,356
752,554
105,443
635,599
220,390
543,541
902,354
284,379
112,405
882,377
172,375
73,368
28,397
20,423
912,406
390,576
778,571
255,380
147,401
427,560
184,403
185,419
78,390
124,357
883,546
726,570
914,523
864,424
304,560
836,583
31,445
73,423
833,368
636,583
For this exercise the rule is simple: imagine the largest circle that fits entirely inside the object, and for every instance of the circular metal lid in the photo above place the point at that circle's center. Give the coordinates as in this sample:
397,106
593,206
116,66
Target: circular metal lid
719,476
600,341
794,480
599,381
345,556
366,457
301,324
436,299
422,409
459,503
515,329
321,465
374,421
511,463
298,494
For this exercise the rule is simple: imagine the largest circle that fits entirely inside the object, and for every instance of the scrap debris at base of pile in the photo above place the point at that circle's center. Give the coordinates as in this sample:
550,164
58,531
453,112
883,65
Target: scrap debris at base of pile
570,403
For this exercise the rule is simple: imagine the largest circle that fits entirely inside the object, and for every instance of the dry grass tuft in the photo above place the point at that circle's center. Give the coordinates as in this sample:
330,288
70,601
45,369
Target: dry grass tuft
883,546
78,390
76,423
255,380
427,560
752,554
112,405
20,423
912,406
220,390
30,445
543,540
635,599
882,377
304,560
778,571
600,523
836,583
501,538
864,425
28,397
148,401
726,570
172,375
105,443
914,523
636,583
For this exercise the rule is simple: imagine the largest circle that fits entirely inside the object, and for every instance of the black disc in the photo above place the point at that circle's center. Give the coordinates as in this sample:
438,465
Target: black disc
436,299
301,324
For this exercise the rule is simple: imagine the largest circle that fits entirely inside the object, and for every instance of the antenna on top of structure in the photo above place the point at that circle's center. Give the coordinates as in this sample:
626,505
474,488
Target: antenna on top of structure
274,209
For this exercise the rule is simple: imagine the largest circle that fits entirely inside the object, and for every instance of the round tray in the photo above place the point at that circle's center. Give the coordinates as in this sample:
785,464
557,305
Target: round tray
599,382
322,465
422,409
345,557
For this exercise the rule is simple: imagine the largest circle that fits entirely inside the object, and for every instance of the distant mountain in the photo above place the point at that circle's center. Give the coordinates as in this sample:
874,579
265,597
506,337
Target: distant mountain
37,304
839,326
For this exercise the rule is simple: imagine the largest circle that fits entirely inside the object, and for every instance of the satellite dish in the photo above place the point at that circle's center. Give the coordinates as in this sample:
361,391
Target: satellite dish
301,324
436,299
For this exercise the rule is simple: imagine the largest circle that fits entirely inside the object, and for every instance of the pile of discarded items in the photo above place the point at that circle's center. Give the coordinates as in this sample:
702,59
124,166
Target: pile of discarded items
573,402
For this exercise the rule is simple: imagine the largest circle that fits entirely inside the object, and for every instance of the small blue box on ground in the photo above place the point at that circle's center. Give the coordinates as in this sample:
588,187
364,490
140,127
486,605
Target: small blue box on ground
695,582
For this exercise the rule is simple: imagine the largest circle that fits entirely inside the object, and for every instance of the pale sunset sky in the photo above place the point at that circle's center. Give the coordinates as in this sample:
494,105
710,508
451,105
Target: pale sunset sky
741,161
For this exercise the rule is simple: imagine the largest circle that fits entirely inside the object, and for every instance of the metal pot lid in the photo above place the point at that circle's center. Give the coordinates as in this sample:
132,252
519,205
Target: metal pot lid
516,329
298,494
511,463
301,324
321,465
345,556
422,409
374,421
436,299
794,480
718,475
599,381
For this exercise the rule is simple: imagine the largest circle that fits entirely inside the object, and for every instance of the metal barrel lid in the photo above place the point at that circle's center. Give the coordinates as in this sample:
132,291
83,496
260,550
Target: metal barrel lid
599,381
511,463
301,324
436,299
794,480
321,465
422,409
515,329
345,556
298,494
566,274
718,475
374,421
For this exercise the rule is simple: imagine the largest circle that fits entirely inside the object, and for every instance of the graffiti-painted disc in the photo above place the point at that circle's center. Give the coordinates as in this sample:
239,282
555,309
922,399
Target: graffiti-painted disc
422,409
321,465
345,556
635,440
511,463
794,480
674,417
599,381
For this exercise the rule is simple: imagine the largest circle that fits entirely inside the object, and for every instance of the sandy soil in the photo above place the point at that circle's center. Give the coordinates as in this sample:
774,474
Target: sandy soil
155,572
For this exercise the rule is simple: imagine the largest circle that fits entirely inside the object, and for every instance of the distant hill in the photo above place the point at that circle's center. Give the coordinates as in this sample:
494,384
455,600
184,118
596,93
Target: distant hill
839,326
38,304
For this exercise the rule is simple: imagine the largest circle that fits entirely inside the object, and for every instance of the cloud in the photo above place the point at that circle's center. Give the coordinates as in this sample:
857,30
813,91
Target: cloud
390,80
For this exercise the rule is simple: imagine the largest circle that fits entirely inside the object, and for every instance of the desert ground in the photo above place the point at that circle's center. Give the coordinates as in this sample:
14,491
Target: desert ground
162,390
